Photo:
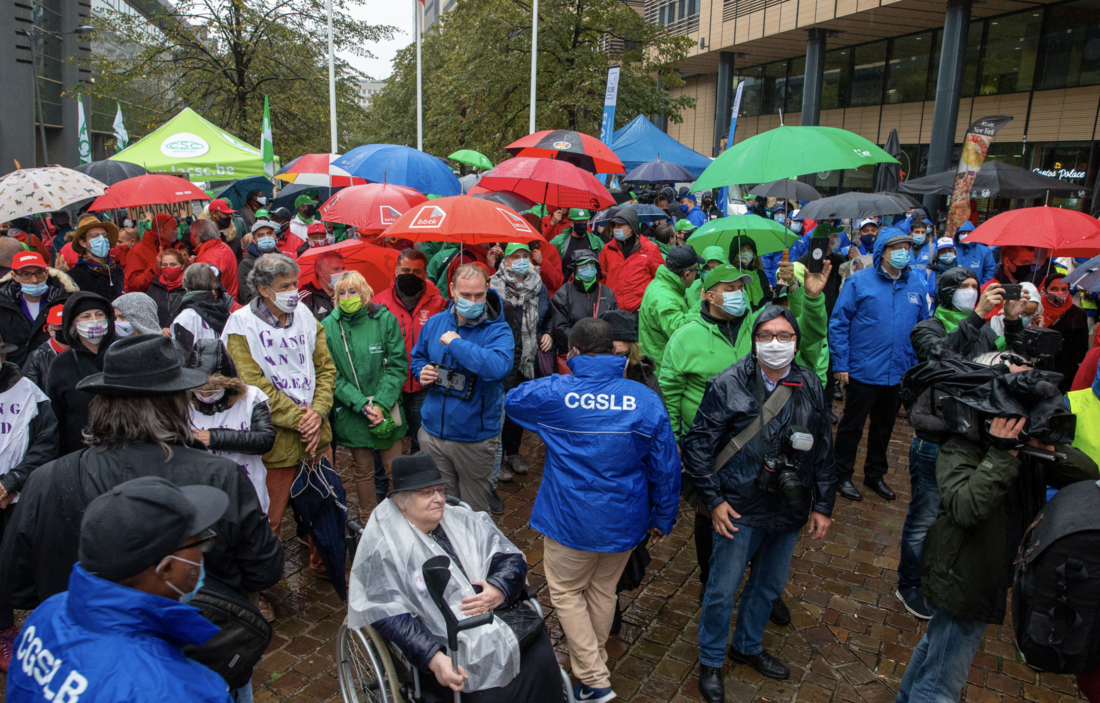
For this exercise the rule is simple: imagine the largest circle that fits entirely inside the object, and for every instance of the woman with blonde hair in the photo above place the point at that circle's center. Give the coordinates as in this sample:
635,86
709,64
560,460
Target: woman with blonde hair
366,345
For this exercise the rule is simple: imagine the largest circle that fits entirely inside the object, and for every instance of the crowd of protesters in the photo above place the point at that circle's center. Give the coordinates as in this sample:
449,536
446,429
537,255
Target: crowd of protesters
162,386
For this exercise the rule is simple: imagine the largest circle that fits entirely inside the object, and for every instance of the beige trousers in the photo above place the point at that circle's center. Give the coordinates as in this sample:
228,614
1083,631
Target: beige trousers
467,467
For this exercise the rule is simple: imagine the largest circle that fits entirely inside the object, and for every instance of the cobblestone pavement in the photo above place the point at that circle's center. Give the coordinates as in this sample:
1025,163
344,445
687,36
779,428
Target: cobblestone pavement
849,639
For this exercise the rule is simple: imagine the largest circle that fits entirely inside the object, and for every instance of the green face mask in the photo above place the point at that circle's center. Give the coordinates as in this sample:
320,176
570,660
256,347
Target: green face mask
351,305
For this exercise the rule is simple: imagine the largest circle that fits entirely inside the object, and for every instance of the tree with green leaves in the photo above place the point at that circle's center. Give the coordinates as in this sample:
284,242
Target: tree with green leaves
220,57
477,70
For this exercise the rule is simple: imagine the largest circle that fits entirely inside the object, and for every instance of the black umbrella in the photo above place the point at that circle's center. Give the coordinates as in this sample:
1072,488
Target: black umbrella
1086,276
516,202
621,196
322,506
855,205
286,196
237,191
647,214
996,179
887,176
111,172
786,188
659,172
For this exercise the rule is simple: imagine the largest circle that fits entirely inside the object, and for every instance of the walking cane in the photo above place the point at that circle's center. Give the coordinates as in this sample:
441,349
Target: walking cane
437,574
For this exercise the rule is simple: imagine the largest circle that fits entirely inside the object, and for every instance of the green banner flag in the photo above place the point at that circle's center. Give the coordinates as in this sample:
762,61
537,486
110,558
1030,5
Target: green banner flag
84,147
121,137
267,148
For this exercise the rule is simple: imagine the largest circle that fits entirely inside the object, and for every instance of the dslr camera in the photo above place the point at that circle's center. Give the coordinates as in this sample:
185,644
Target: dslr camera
779,474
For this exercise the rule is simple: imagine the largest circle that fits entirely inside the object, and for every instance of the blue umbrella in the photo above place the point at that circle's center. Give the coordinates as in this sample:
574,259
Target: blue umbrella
237,191
321,504
1086,276
659,172
647,214
401,165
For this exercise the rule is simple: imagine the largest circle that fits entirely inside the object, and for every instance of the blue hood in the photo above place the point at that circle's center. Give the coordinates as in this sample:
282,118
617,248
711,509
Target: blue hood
884,235
967,226
584,366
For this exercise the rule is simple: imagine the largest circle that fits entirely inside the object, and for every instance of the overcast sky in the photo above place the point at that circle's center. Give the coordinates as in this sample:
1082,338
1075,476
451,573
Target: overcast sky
397,13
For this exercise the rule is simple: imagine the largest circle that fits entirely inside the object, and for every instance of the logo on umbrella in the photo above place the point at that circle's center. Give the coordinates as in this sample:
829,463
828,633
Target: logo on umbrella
429,216
562,145
388,214
517,222
861,152
184,145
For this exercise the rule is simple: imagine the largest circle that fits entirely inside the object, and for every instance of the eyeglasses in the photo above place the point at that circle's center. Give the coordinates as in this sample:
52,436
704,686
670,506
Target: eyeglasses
30,275
431,491
204,543
765,337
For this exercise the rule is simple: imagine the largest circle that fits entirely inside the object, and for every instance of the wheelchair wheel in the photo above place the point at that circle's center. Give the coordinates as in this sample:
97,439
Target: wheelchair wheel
366,671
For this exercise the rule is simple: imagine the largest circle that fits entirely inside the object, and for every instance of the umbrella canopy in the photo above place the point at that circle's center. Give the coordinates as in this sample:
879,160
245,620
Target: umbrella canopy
787,189
372,207
1064,232
376,263
30,191
400,165
471,158
852,205
647,214
469,182
659,172
548,181
621,196
770,236
111,172
152,189
996,179
888,176
1086,276
578,149
287,195
317,170
321,505
463,219
237,191
516,202
787,152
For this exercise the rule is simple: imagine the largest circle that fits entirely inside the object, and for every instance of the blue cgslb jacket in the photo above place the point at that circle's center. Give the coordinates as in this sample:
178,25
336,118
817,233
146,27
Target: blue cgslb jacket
612,469
871,321
100,641
486,350
696,216
976,257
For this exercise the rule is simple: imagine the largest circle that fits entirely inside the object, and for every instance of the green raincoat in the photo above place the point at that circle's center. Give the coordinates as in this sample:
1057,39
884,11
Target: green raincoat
663,311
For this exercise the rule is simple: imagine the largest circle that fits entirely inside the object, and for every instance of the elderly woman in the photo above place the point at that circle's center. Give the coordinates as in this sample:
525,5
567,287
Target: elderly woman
204,308
487,574
135,313
368,350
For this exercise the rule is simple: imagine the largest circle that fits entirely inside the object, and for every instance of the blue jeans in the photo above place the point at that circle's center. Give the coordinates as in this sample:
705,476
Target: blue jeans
773,552
924,505
939,666
243,694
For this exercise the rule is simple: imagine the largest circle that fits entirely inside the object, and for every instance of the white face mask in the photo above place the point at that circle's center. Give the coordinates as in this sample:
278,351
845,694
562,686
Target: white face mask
964,298
746,257
287,300
775,354
262,200
124,328
92,330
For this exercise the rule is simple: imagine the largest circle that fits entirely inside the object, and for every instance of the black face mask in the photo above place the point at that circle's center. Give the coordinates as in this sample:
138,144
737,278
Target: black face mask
410,284
310,211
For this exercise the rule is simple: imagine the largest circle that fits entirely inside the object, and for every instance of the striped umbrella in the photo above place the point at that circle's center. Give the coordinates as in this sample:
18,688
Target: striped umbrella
317,170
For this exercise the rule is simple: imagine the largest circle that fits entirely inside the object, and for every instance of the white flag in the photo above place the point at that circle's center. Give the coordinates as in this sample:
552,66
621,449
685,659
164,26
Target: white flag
84,147
120,131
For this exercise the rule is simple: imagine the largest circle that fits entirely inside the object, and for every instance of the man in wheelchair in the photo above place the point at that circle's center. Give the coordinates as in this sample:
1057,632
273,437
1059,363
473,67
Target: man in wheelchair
510,659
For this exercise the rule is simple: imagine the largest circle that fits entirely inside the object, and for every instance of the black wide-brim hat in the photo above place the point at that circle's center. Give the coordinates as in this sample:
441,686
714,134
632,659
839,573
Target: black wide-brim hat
411,473
143,365
7,348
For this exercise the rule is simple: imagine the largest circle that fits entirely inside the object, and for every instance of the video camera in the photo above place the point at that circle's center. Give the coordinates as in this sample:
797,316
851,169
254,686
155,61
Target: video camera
1039,343
779,474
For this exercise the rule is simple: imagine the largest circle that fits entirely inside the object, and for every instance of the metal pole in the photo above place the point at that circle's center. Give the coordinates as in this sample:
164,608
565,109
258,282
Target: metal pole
331,83
534,60
38,99
956,27
418,21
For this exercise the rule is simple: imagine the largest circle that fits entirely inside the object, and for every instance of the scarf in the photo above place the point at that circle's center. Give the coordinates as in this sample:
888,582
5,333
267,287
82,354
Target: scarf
524,295
950,318
1052,314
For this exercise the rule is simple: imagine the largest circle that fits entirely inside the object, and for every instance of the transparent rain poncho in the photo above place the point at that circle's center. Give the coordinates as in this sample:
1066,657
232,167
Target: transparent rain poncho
386,580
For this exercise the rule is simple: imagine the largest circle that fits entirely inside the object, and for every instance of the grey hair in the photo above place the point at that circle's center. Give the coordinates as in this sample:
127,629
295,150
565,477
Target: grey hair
988,359
401,499
204,230
269,267
118,421
200,277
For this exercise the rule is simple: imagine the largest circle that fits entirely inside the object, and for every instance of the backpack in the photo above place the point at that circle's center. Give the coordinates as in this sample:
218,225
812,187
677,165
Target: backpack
1056,591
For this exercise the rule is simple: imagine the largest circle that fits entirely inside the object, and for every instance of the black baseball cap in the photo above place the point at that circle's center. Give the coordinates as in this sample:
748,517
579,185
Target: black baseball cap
682,258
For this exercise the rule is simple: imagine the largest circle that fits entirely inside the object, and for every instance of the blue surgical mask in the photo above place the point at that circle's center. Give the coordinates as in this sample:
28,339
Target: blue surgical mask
468,309
899,258
35,290
796,227
586,272
266,243
520,266
620,234
100,246
684,209
190,595
733,302
948,258
919,240
867,240
780,217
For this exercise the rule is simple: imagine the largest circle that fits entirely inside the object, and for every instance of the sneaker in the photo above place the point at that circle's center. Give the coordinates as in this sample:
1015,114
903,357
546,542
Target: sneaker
496,505
516,465
584,692
914,602
7,644
505,475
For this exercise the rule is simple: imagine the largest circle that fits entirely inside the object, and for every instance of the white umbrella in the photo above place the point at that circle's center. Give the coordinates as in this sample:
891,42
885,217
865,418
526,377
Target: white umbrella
30,191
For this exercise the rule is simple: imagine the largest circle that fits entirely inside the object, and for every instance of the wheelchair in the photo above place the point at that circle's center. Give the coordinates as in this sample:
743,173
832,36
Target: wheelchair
372,670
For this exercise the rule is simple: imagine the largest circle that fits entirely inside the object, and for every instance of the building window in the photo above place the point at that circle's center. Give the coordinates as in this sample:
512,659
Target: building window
868,73
795,83
837,67
774,87
750,95
907,74
1008,59
1071,46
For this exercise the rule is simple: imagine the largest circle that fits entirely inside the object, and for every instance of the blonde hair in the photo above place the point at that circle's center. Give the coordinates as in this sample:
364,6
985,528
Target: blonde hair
470,271
633,353
354,279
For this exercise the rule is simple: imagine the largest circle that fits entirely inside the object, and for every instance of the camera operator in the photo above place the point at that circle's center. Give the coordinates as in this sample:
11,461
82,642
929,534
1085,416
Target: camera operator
759,454
990,492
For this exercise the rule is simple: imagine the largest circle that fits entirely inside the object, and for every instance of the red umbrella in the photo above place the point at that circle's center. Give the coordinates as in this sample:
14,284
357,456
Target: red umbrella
549,181
566,145
370,208
377,264
151,189
1064,232
463,219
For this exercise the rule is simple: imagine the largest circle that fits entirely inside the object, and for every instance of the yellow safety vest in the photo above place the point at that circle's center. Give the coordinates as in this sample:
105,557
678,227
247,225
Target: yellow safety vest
1086,406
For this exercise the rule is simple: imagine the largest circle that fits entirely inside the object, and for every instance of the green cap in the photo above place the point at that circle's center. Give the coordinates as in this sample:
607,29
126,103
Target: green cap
432,196
724,273
715,254
577,214
262,214
514,247
303,199
684,226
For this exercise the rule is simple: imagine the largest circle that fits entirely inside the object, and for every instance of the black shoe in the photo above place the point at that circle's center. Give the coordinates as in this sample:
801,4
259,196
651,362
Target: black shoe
879,486
617,623
781,614
848,490
837,395
710,683
496,505
764,663
914,602
833,418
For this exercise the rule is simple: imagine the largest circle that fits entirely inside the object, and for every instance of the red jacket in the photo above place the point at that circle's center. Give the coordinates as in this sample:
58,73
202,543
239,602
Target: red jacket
550,268
218,254
33,242
141,262
627,278
549,231
430,304
290,245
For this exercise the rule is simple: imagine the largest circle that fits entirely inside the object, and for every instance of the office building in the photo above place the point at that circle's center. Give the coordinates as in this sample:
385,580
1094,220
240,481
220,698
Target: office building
367,89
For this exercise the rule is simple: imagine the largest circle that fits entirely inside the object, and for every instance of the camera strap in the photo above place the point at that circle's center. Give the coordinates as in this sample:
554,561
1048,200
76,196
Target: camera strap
771,408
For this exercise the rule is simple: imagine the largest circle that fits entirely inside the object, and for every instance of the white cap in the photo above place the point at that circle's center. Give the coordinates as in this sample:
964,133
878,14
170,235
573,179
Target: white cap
945,243
867,221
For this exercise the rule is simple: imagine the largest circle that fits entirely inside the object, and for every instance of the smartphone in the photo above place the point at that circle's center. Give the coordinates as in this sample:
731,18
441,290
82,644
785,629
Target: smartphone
1012,291
819,250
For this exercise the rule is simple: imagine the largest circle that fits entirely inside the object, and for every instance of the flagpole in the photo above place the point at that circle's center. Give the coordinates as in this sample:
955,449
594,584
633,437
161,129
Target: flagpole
331,83
534,61
418,20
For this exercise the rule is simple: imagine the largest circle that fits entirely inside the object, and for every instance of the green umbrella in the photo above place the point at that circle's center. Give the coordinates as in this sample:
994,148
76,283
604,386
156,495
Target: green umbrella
471,158
789,152
769,235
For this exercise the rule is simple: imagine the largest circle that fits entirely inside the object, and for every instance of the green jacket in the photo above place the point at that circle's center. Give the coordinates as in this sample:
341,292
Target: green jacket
696,353
377,352
594,243
663,311
813,324
967,558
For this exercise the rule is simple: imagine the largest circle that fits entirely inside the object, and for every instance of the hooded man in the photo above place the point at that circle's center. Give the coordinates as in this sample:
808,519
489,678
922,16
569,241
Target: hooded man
978,257
630,260
231,226
691,211
664,308
26,296
583,295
